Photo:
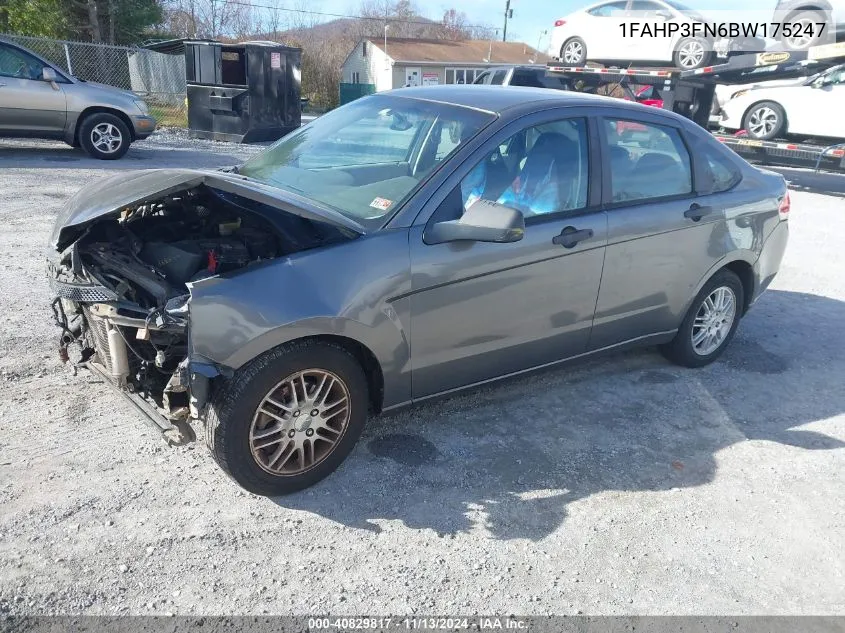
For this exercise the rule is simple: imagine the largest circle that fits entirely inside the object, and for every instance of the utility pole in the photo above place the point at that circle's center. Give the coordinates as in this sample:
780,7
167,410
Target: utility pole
508,15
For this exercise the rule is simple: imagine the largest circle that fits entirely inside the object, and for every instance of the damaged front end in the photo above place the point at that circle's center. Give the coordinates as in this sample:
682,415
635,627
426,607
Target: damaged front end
122,280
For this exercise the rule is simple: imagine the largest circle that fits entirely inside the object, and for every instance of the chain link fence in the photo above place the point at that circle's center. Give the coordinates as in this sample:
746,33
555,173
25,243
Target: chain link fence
157,77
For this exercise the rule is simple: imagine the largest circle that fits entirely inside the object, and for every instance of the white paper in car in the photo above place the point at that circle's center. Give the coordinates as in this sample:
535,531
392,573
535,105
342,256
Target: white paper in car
381,203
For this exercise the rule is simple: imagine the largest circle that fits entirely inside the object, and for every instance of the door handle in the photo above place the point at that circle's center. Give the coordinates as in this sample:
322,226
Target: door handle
696,212
570,236
1,85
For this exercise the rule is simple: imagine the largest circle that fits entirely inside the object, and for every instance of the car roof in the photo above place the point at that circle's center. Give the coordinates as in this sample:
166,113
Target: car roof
515,66
498,99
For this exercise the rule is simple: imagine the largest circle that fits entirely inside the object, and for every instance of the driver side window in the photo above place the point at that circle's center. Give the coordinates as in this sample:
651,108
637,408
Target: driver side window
15,63
540,170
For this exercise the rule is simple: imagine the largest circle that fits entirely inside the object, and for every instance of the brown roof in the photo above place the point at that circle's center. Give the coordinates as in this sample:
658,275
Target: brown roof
464,52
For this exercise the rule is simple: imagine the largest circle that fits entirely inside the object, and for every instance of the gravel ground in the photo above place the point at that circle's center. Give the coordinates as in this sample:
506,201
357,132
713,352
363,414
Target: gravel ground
625,485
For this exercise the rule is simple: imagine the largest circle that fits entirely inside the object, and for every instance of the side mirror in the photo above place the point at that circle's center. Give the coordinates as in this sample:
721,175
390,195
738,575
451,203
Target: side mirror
48,74
663,14
484,221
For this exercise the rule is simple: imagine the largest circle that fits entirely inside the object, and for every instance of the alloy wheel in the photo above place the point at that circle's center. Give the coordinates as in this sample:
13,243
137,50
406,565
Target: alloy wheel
691,54
713,321
106,137
762,121
573,52
299,422
801,41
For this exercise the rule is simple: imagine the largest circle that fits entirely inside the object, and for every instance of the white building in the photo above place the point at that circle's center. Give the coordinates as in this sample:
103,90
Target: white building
416,62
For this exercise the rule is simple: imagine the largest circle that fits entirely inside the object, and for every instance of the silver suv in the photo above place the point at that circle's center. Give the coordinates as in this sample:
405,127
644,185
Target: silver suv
39,100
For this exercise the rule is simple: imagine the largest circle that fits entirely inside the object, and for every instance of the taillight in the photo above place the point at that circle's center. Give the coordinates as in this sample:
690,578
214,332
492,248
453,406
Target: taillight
560,22
783,207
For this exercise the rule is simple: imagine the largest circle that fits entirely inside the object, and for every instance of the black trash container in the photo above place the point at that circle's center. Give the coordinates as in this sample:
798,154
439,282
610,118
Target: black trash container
245,93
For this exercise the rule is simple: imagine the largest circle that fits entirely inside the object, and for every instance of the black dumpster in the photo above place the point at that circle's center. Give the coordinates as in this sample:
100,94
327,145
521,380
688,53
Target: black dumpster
245,93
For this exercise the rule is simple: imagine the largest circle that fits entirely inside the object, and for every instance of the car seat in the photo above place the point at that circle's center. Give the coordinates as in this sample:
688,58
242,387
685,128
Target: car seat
657,174
487,180
550,179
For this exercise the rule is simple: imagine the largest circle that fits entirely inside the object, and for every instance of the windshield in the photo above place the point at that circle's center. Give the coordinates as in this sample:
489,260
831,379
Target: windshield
366,158
830,71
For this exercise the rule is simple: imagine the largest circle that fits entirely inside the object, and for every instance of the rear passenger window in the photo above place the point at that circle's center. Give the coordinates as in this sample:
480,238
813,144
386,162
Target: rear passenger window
611,9
722,171
526,78
646,161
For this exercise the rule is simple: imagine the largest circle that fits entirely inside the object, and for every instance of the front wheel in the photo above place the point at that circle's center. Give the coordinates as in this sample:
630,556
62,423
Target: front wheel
104,136
710,323
764,121
289,418
574,52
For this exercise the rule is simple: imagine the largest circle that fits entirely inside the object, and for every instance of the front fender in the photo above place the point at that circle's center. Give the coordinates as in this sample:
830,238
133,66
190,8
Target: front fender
346,290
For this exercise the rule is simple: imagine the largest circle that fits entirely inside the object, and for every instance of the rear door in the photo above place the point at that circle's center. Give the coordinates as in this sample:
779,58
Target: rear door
483,310
28,104
665,231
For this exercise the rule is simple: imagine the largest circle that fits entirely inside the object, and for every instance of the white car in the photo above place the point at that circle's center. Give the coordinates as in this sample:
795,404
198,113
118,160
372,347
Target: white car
596,34
812,107
726,92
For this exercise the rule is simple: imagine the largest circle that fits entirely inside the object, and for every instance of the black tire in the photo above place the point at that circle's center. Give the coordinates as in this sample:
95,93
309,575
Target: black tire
575,44
681,350
808,16
229,417
678,56
749,122
97,119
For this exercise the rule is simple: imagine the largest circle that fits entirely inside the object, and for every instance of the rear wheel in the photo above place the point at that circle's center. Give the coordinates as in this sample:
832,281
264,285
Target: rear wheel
803,30
104,136
574,52
691,53
710,323
289,418
765,120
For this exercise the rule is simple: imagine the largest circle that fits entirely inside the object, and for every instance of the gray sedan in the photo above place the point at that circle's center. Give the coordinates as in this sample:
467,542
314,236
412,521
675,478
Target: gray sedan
404,246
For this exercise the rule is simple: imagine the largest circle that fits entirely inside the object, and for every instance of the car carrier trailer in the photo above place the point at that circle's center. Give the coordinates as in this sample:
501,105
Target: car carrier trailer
691,94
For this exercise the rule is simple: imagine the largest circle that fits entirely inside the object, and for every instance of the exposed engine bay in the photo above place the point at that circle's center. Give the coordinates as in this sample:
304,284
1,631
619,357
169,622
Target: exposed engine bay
123,288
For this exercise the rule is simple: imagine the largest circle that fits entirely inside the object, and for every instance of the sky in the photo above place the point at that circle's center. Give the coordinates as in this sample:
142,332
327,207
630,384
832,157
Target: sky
530,17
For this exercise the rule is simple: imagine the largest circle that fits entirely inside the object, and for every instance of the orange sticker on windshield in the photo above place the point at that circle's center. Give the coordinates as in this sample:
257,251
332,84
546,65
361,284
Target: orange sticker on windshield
382,204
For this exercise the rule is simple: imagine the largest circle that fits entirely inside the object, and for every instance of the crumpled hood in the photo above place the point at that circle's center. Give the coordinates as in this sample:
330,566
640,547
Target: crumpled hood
112,195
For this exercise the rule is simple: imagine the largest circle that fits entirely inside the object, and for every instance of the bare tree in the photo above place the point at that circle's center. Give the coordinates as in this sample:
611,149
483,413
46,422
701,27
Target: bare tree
181,18
210,18
325,45
275,19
